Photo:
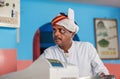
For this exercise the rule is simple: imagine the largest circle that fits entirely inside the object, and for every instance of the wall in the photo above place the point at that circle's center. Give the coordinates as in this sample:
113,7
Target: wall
35,13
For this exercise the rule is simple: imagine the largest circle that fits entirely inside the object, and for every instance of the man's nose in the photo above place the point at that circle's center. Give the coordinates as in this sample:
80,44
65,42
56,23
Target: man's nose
57,33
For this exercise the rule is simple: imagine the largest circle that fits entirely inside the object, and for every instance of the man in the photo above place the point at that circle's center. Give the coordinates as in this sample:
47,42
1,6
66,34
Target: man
81,54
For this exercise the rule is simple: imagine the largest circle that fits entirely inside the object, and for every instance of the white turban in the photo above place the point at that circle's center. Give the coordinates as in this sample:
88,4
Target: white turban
66,21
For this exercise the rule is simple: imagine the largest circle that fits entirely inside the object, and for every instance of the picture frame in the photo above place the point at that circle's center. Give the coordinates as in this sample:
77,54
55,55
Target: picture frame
10,13
106,38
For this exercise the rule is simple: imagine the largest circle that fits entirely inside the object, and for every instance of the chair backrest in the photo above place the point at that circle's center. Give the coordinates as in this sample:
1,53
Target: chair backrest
42,40
36,45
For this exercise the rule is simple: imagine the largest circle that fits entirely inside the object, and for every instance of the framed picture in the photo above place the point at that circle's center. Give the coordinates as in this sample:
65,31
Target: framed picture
10,13
106,37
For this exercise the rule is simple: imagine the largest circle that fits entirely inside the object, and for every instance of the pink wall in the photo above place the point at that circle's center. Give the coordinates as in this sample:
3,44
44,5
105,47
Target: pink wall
8,61
22,64
114,69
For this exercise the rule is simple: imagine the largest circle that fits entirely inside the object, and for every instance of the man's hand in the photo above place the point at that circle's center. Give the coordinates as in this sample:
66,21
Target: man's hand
101,75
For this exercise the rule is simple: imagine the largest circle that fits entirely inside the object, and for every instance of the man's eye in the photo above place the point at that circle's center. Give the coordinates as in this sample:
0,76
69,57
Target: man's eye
62,31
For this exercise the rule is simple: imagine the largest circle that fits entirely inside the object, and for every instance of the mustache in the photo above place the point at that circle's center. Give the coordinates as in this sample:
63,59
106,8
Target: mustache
57,38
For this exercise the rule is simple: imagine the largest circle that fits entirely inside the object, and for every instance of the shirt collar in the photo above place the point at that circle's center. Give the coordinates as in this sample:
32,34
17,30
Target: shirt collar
69,50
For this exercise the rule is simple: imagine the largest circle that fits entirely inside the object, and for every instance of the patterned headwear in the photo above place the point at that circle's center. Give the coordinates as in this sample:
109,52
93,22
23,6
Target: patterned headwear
66,21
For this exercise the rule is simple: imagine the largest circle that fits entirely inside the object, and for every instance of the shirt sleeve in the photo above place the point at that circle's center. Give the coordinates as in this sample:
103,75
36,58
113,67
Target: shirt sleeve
96,63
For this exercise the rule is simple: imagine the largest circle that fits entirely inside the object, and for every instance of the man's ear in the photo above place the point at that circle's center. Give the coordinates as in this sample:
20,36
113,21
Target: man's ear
73,34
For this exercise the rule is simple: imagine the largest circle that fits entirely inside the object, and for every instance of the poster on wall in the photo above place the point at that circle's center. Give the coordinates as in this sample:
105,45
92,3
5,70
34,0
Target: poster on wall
10,13
106,35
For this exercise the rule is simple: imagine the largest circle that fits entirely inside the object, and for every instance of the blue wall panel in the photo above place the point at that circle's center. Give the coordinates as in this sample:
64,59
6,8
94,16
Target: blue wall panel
7,38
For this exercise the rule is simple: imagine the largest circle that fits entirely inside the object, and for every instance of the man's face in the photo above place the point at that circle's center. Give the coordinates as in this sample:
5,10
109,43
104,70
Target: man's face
62,37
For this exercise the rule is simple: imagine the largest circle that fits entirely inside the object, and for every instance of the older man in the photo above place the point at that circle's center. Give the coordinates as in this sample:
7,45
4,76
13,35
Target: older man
81,54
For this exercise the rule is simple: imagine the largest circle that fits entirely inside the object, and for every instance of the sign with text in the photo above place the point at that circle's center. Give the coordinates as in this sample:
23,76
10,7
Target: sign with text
106,33
10,13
